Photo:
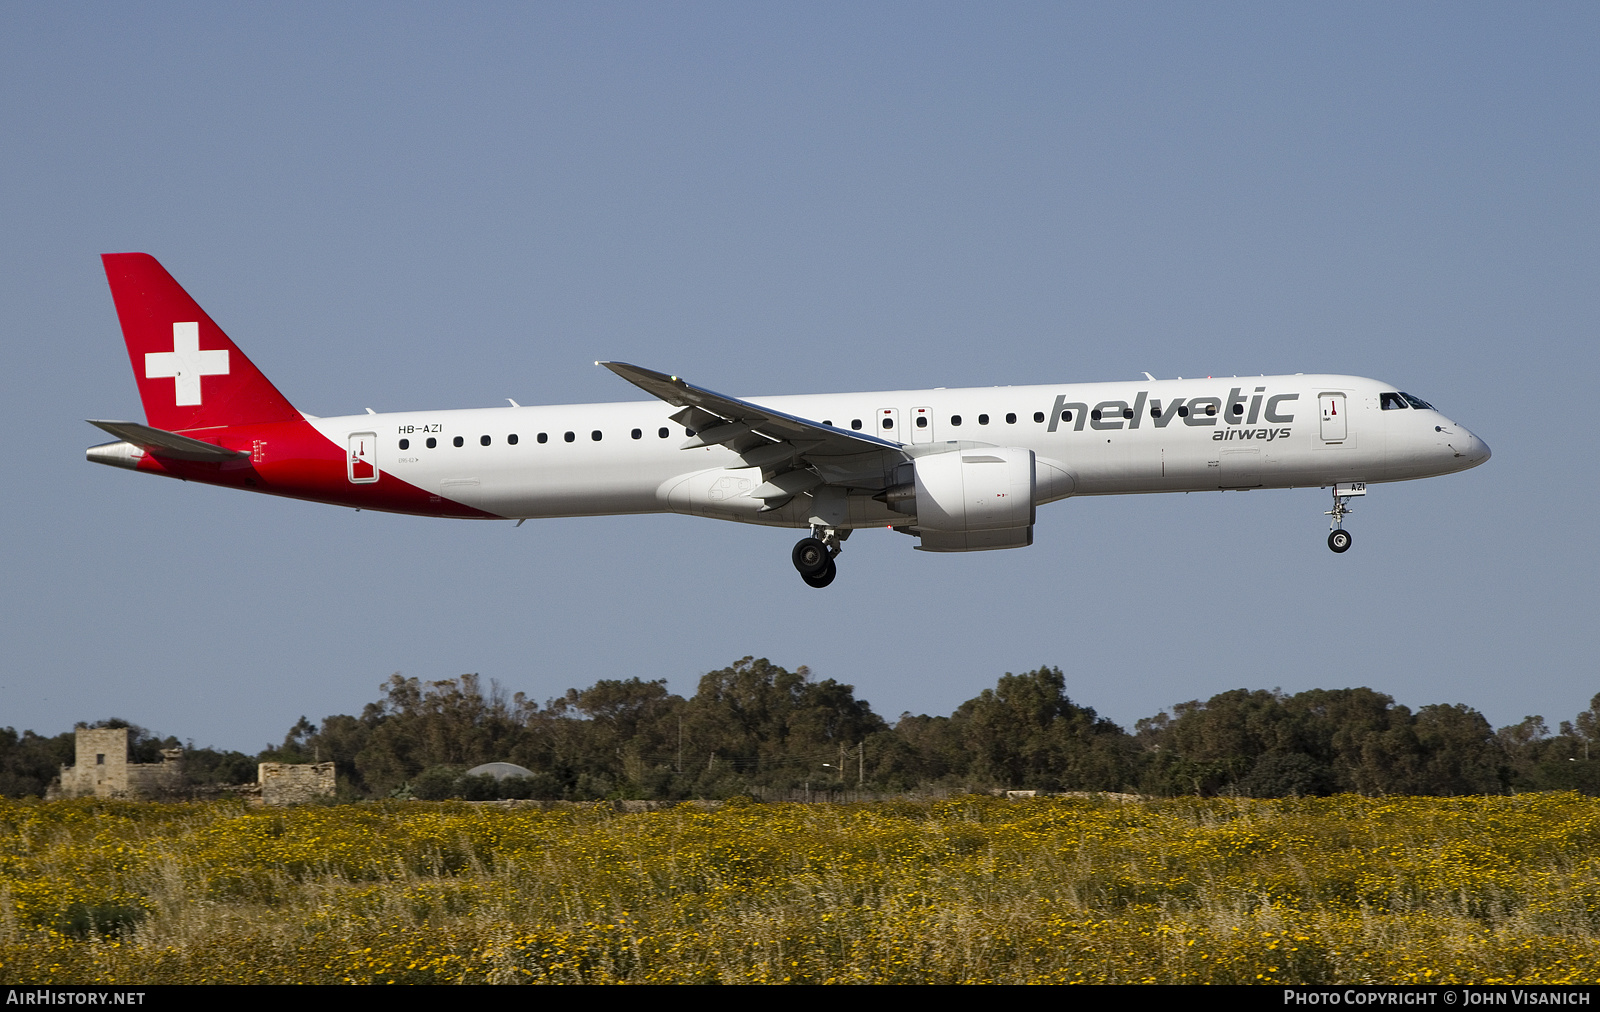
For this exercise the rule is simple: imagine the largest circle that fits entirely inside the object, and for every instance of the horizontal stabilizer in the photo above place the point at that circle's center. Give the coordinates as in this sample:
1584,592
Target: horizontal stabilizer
162,443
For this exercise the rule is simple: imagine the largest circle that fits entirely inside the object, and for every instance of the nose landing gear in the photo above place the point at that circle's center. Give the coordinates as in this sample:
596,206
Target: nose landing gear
1338,537
813,557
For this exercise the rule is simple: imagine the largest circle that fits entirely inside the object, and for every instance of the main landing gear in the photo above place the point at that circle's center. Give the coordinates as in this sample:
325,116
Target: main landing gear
1338,537
813,557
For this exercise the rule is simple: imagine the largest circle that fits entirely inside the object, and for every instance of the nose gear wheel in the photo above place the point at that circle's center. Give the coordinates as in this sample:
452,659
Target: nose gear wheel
1339,538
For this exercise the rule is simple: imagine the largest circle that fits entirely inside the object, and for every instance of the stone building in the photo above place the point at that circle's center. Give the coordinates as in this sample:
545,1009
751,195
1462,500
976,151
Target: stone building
294,783
102,769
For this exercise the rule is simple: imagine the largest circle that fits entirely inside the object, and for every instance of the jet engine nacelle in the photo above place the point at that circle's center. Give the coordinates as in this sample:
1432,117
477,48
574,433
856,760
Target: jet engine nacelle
975,500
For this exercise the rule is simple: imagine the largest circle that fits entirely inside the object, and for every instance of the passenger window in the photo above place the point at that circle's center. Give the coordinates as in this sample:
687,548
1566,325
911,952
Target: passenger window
512,439
1183,411
1127,412
688,432
1038,416
922,421
432,442
827,421
1237,409
1095,414
1066,416
888,423
662,432
484,440
458,441
955,419
855,423
983,419
595,435
568,436
1011,418
638,433
405,444
1211,409
542,437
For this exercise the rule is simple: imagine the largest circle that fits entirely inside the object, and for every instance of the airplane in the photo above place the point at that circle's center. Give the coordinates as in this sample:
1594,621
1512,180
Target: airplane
961,470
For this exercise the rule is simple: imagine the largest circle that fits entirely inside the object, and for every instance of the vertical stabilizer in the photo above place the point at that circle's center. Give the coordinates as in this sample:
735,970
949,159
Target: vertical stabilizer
190,374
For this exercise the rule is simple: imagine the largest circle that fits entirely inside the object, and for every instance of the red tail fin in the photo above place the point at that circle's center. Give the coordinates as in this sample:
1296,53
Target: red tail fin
190,374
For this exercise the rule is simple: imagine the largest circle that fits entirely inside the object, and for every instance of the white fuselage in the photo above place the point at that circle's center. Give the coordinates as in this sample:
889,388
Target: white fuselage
1088,439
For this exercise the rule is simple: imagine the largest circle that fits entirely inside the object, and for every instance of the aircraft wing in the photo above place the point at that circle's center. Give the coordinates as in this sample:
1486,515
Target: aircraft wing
167,444
795,454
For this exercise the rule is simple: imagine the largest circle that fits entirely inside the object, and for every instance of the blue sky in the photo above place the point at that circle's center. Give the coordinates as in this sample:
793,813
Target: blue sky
421,206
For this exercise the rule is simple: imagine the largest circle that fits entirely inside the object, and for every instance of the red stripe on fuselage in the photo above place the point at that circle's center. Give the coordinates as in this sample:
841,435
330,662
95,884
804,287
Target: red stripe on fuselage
293,459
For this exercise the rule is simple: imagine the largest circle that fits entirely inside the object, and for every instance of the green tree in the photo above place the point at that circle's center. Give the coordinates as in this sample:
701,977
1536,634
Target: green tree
1026,733
757,722
28,762
1459,752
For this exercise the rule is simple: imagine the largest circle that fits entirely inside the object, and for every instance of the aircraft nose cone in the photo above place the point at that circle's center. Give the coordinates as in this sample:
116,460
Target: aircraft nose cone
1470,451
1478,452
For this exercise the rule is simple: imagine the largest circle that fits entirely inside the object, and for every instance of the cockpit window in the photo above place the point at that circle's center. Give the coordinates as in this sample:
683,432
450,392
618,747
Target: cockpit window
1391,401
1416,402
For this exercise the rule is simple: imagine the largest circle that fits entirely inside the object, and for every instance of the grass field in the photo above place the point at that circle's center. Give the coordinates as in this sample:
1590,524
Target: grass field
1329,890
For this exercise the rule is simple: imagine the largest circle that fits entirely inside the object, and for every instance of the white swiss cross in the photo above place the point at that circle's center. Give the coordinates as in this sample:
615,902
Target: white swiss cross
185,363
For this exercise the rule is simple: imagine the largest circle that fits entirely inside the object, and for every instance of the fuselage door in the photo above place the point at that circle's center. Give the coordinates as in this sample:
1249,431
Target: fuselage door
922,425
887,425
362,460
1333,420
